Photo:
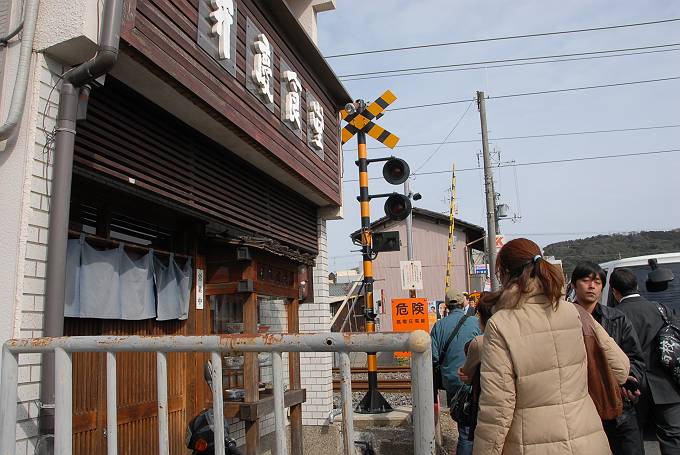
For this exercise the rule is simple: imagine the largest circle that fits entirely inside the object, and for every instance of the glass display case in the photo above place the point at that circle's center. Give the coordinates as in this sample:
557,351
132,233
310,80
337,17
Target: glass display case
227,318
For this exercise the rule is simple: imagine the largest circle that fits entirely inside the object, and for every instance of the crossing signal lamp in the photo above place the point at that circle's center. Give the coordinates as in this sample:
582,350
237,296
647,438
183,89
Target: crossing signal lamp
396,171
397,207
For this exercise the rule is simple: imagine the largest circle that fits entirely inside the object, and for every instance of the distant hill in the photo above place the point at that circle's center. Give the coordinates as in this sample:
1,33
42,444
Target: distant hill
603,248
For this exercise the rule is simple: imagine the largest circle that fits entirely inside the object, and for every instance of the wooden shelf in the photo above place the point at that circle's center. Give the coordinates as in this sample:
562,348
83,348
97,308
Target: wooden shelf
265,405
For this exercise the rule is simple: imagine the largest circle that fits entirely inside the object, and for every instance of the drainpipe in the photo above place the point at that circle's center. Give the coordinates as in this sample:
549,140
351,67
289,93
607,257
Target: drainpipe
73,87
16,107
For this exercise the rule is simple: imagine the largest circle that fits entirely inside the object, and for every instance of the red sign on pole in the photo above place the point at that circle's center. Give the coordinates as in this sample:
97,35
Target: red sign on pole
409,315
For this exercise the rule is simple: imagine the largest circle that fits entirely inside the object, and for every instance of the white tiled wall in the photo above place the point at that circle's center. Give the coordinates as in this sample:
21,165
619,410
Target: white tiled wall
33,296
315,368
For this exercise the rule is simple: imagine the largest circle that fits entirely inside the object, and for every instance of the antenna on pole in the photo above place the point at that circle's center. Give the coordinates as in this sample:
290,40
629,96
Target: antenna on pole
452,211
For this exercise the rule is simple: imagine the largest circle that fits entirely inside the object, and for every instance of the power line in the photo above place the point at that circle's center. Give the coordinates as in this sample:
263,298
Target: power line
439,146
542,92
509,60
502,38
587,87
508,65
538,136
537,163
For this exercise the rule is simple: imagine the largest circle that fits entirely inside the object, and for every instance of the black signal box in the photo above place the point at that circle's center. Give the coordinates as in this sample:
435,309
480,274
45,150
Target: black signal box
386,241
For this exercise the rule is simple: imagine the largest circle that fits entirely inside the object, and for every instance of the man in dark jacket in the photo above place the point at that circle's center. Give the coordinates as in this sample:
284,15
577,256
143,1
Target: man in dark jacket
588,279
454,357
660,398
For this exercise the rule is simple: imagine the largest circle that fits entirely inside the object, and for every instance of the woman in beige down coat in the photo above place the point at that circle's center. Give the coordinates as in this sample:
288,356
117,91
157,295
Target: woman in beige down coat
534,397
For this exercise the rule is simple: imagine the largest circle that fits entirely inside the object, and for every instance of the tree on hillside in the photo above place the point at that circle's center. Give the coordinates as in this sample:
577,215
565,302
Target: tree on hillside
603,248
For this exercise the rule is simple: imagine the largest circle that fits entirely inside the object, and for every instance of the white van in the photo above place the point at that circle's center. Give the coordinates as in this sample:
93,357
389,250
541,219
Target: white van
640,267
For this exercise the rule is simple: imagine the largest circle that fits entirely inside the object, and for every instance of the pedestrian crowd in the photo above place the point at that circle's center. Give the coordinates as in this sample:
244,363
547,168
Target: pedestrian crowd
529,372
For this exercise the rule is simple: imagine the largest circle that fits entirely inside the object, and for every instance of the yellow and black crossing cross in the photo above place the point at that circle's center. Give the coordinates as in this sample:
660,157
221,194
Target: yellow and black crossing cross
363,121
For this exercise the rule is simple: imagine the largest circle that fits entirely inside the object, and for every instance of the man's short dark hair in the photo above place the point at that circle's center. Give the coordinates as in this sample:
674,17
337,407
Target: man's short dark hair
624,281
587,269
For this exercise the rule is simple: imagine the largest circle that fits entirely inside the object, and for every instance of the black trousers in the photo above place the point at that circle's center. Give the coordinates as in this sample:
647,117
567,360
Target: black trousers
666,419
624,436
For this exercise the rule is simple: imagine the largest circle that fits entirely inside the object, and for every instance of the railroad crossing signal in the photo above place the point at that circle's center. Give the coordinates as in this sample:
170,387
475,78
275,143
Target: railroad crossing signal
362,120
359,118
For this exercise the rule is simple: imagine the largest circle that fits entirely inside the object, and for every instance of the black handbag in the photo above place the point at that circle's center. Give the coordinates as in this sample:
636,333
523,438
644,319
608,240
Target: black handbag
463,406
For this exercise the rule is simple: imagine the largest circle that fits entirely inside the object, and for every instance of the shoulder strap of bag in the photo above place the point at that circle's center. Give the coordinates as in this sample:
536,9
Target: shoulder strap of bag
442,353
664,313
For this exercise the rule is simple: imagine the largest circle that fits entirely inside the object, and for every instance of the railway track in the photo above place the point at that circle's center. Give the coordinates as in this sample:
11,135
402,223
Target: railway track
384,384
380,370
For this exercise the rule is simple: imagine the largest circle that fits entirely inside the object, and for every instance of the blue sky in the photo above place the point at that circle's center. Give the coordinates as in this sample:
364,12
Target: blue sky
557,201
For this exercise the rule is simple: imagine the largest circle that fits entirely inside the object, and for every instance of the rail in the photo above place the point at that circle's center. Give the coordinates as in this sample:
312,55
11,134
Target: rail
388,383
418,343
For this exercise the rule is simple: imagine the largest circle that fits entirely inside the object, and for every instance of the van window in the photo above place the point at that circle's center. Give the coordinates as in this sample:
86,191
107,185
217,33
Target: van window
670,296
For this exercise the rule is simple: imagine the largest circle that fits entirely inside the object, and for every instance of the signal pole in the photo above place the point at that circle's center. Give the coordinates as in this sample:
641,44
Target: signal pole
409,233
359,118
490,195
373,402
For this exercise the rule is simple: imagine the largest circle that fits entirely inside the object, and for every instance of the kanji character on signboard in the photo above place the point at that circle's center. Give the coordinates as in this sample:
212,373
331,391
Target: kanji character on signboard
292,101
402,309
222,18
262,67
315,124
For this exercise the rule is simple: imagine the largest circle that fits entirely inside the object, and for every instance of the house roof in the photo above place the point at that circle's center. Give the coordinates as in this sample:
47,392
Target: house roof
475,232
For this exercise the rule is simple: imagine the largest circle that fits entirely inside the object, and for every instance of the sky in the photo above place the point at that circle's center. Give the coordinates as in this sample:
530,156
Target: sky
551,202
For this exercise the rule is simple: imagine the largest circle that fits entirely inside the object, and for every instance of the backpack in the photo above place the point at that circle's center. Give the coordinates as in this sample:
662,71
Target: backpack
669,343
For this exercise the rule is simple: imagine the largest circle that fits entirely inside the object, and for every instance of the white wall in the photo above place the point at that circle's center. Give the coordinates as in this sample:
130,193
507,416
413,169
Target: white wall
316,368
25,179
14,160
305,12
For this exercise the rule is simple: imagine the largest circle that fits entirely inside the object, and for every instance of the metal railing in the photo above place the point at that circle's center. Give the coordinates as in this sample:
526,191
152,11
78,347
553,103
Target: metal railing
418,343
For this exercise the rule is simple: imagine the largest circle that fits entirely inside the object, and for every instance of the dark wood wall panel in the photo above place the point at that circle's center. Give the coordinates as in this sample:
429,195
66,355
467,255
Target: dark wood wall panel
136,390
165,32
263,119
126,136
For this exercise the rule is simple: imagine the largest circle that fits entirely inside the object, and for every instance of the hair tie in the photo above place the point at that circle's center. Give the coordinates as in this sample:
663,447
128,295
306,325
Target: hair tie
537,258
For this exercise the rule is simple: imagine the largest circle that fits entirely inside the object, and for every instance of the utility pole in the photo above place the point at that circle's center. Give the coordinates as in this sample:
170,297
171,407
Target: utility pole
490,195
409,232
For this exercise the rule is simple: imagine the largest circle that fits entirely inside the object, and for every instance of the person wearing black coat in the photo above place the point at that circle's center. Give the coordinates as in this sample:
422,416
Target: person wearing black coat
660,399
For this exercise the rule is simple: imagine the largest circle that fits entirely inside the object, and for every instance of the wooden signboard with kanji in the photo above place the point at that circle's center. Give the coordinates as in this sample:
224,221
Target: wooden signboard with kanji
409,315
